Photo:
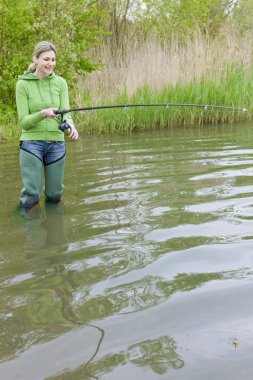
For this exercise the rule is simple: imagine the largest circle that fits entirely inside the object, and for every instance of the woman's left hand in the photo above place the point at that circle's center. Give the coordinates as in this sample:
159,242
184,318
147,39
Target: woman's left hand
73,134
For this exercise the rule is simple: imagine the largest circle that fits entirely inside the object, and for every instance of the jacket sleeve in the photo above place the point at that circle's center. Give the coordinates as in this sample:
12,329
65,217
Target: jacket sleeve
26,120
64,101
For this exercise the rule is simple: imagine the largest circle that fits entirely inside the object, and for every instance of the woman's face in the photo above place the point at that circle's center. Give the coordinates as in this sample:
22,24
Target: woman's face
45,63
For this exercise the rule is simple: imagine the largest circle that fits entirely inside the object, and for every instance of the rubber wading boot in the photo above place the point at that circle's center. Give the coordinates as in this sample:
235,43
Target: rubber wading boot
54,174
31,173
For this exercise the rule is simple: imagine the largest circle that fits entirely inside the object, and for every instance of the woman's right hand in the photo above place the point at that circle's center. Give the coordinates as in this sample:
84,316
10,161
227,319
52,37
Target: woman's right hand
49,112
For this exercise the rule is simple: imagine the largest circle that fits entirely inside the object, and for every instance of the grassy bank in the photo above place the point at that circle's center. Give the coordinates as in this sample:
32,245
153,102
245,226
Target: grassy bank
202,71
234,89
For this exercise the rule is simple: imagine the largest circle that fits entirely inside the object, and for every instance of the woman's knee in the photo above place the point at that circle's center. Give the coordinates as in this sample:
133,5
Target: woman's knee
54,174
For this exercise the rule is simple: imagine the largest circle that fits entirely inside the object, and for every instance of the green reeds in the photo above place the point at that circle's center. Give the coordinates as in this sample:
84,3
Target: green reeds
234,88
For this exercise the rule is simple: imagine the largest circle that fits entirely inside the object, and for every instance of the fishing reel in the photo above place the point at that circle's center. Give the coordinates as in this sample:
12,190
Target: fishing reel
64,126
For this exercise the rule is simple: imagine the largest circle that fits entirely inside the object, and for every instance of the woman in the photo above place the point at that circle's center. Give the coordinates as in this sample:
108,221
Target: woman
39,92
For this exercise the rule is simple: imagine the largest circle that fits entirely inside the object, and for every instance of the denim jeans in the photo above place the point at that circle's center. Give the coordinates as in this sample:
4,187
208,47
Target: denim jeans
47,152
34,156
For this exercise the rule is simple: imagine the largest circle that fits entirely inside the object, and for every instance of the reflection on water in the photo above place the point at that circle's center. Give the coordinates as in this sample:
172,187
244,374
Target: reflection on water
145,270
157,355
43,228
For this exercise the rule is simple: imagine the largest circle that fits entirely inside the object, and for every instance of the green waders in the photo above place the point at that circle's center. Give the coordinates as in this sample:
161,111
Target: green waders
31,168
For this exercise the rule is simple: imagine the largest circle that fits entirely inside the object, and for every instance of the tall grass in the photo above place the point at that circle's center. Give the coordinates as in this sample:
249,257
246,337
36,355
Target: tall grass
202,71
9,130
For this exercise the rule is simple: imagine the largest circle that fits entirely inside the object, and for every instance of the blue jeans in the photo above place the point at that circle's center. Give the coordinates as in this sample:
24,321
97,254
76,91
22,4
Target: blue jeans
47,152
34,156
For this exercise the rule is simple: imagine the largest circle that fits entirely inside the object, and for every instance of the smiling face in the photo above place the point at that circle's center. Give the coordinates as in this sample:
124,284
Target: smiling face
45,64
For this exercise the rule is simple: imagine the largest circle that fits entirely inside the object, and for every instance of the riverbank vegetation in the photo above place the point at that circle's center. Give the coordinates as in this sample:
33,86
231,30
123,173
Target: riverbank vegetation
135,52
202,71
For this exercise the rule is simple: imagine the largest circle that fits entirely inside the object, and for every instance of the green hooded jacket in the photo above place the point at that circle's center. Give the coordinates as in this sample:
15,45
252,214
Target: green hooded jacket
32,96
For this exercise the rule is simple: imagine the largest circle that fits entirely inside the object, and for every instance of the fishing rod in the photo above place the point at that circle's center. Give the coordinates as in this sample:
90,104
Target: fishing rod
167,105
64,125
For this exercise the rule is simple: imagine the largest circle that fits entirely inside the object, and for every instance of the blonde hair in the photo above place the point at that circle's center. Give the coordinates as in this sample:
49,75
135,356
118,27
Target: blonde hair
41,47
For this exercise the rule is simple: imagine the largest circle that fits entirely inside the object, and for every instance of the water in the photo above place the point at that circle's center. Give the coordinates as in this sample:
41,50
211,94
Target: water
144,272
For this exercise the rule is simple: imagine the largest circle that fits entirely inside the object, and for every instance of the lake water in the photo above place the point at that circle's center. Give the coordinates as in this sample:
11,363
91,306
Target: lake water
144,271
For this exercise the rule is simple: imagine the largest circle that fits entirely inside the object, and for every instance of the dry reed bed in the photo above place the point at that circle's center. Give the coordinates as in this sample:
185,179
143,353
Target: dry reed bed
158,66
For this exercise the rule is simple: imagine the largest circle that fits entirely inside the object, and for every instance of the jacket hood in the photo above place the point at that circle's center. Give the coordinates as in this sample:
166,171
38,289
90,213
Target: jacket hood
31,76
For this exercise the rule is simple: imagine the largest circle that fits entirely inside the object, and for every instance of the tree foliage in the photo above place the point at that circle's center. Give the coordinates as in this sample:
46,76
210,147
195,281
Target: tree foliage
128,20
243,16
182,17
